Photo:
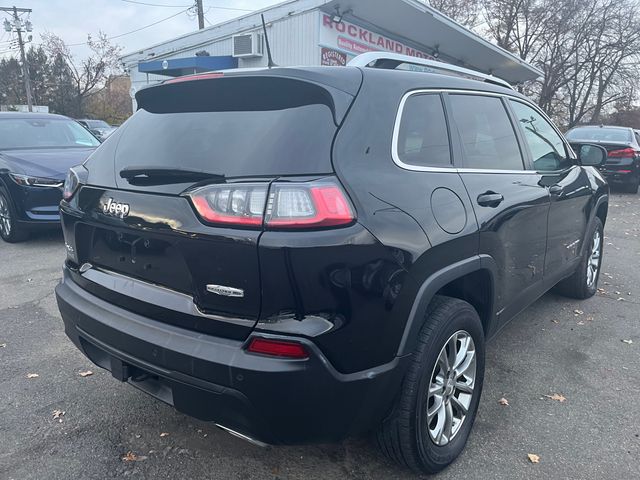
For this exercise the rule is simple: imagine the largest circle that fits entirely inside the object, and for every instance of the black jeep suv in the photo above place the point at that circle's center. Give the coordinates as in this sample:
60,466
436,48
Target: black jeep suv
304,254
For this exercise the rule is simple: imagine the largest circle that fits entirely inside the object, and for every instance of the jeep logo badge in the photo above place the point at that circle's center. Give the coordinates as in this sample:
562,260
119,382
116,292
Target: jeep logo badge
116,209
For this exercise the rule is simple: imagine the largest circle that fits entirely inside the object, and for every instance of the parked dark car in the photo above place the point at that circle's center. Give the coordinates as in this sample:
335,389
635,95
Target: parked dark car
99,128
300,255
36,152
623,145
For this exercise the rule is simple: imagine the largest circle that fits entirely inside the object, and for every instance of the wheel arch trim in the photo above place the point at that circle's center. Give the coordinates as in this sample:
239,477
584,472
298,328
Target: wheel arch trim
433,284
594,214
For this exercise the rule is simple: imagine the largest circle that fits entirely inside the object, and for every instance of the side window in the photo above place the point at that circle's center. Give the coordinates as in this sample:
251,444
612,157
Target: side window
488,138
547,148
423,139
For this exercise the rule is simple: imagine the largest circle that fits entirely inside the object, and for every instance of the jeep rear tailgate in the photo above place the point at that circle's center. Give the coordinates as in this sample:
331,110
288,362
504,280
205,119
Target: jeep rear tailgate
138,233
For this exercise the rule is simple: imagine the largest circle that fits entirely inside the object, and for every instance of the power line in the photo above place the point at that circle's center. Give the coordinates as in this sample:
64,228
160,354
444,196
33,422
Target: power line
136,30
187,6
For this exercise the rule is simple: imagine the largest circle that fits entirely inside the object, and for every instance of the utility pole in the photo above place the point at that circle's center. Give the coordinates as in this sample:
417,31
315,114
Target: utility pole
17,27
200,14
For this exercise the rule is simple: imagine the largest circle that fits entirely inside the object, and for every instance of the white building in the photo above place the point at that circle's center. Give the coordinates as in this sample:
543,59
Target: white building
325,32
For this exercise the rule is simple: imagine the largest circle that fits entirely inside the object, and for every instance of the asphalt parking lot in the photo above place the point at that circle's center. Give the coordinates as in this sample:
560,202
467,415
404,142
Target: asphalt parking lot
587,352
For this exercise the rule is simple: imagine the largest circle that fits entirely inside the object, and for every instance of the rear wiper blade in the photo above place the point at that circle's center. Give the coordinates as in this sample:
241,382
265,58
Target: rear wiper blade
152,175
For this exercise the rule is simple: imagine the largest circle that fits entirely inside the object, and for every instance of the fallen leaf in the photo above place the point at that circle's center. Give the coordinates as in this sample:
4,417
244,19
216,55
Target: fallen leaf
628,342
58,414
32,375
132,457
164,434
504,401
557,397
86,374
533,458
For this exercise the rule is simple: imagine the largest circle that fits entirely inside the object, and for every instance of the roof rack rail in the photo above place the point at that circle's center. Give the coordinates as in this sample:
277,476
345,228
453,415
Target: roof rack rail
391,61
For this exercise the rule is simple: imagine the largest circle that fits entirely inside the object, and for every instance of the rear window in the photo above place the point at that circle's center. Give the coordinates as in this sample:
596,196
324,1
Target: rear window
232,128
601,134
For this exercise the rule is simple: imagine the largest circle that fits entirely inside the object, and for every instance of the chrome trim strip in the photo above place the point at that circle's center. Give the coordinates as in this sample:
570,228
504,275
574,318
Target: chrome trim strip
452,169
242,436
154,294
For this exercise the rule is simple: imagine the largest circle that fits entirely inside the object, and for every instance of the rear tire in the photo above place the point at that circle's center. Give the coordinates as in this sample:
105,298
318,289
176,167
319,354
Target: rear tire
10,230
416,433
583,283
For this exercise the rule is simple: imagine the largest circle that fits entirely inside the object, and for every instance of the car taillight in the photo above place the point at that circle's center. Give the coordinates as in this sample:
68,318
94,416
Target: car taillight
278,348
287,206
308,205
76,176
624,153
231,204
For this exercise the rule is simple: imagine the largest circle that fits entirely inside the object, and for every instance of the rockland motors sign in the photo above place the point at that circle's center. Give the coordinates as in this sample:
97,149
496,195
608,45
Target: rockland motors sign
354,40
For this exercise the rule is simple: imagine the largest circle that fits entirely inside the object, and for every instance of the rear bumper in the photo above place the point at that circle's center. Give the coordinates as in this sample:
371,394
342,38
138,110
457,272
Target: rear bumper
621,175
270,400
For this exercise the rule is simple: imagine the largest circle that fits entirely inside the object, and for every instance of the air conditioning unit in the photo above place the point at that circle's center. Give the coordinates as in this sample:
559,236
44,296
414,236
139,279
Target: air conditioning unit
247,45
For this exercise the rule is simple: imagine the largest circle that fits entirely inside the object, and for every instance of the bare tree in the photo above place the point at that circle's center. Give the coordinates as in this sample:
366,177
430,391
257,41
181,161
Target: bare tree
586,49
89,75
465,12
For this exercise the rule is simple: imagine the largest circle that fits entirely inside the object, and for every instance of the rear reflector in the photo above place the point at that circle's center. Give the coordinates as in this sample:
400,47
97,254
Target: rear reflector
277,348
624,153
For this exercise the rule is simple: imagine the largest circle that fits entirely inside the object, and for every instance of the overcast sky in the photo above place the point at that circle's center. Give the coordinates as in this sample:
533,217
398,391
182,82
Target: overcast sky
74,19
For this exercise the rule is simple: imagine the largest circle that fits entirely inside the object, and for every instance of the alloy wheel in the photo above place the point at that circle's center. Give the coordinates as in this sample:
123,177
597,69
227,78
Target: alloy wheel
5,217
451,388
593,261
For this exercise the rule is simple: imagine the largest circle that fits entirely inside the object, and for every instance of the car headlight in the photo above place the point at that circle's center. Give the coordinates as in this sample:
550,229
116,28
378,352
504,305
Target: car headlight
29,181
76,176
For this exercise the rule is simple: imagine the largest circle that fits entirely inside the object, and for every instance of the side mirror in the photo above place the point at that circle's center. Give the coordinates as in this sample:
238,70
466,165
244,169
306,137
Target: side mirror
591,155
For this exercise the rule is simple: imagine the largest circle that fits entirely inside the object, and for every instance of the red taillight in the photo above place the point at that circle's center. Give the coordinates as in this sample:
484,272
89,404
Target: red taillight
624,153
310,205
277,348
191,78
229,204
290,206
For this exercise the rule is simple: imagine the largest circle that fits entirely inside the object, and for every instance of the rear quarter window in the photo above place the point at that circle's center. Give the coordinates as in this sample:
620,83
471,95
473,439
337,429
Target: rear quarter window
423,137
